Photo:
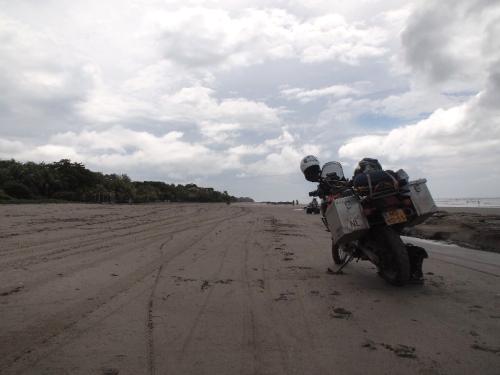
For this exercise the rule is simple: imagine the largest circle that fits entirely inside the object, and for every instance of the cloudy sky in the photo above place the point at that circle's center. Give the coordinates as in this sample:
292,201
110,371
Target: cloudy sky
233,93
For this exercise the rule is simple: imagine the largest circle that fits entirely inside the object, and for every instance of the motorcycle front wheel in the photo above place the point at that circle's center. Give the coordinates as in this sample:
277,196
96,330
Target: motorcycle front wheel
394,264
338,254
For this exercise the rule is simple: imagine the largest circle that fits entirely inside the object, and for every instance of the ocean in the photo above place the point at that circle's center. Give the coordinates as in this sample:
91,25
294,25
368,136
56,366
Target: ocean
468,202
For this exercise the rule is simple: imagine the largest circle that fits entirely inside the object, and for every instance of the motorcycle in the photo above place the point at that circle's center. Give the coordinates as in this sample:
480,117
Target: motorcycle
366,216
313,207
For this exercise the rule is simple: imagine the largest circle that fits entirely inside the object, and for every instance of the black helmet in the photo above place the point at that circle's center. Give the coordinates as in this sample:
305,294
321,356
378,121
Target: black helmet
368,165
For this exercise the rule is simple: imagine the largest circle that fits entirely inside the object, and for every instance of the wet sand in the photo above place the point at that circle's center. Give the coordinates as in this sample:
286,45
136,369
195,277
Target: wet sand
473,210
217,289
474,227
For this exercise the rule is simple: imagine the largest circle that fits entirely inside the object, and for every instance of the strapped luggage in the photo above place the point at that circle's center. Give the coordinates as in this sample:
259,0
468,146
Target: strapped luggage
376,182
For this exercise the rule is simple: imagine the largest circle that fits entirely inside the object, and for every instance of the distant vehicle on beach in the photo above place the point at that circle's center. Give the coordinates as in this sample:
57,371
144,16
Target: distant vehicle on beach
312,207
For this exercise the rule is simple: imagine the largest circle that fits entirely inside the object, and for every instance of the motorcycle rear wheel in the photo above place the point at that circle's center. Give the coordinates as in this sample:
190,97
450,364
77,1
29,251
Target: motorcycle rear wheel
338,254
395,263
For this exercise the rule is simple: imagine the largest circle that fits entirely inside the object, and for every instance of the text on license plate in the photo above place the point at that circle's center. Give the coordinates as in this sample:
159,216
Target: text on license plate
394,216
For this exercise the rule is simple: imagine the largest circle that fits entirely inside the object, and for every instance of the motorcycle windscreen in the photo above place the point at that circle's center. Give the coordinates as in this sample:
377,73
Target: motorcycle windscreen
333,170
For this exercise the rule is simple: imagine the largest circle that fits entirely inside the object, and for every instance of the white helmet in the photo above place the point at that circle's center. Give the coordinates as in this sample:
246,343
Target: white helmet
310,167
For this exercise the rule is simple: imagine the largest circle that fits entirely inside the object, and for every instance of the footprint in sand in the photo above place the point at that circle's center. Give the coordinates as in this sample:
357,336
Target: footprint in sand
340,313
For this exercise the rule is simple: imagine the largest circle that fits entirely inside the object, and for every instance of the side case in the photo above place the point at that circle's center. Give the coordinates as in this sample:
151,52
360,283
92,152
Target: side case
346,220
422,201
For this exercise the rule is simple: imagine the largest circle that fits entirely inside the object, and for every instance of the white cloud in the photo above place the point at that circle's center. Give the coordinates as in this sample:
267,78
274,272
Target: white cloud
9,148
40,84
189,104
443,41
47,81
459,142
245,150
217,86
407,105
282,155
457,146
219,132
285,139
306,96
127,151
118,149
415,102
206,37
285,160
440,135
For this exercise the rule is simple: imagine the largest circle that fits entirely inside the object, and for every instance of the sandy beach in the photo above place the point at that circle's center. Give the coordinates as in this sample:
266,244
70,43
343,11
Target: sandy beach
218,289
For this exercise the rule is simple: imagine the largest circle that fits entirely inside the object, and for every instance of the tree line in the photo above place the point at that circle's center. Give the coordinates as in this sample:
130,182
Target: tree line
69,181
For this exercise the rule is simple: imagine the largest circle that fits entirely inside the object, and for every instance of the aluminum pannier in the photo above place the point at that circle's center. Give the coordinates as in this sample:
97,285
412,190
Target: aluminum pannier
422,201
346,220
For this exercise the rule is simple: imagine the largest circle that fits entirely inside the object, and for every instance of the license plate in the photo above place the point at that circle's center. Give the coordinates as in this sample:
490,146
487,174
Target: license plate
394,216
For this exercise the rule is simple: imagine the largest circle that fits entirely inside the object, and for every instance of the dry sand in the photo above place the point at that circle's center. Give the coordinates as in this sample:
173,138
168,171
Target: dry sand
217,289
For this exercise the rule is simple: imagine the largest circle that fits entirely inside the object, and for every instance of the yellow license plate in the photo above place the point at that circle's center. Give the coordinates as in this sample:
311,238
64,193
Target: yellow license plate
394,216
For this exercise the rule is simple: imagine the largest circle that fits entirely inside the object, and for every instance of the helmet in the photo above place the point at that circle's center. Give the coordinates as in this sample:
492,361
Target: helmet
368,165
310,167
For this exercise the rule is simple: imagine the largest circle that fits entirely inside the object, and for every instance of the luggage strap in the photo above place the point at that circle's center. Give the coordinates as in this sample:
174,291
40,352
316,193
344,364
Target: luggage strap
369,180
396,184
370,185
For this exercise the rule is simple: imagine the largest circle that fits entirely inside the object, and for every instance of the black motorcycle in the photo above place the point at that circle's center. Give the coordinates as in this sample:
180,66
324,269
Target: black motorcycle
366,216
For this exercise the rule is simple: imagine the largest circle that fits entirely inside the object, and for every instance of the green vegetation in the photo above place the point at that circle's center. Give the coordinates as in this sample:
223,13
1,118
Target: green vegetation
67,181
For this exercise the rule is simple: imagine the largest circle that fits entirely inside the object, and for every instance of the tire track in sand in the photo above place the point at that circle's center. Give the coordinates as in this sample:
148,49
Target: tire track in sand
110,250
150,320
111,235
32,347
268,305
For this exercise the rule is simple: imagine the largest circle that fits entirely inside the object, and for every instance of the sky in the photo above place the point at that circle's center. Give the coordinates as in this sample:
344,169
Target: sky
233,93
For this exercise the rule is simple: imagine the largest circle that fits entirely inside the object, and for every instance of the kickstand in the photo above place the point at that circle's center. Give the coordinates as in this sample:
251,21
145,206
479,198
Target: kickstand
339,271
